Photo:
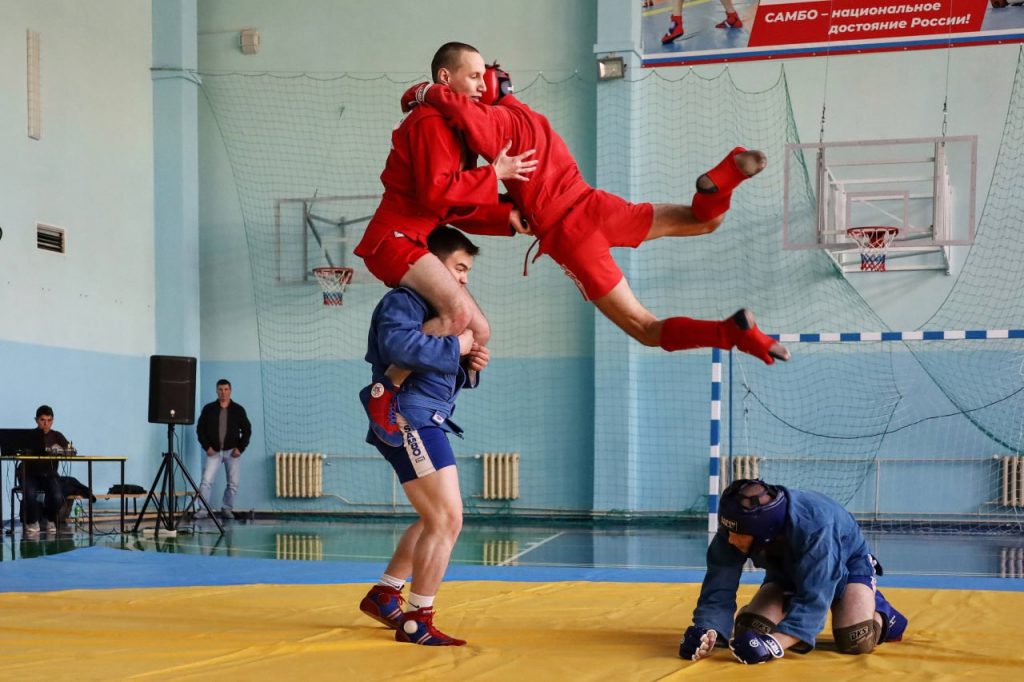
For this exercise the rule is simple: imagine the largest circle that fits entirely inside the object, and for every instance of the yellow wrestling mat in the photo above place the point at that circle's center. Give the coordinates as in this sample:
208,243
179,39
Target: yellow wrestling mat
516,631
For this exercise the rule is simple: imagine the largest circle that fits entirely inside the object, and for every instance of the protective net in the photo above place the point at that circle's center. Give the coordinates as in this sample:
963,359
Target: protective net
866,423
306,154
911,434
601,424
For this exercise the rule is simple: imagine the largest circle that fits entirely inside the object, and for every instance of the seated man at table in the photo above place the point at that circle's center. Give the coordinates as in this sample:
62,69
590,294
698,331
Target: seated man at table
42,476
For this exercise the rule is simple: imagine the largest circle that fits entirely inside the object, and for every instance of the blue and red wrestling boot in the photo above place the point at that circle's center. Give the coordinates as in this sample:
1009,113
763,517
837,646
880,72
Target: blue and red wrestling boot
417,627
378,400
384,604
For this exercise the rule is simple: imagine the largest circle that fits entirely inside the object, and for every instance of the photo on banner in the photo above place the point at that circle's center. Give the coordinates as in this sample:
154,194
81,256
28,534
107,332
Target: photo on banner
676,33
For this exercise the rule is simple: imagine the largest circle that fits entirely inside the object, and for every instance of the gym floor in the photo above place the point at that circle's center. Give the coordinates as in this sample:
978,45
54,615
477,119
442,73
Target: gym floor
279,600
574,545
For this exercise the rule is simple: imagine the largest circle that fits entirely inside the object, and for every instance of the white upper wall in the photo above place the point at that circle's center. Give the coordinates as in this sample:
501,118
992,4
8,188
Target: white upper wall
398,36
91,173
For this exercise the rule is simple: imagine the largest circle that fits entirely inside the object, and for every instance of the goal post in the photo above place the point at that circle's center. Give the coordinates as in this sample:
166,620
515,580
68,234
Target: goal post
911,431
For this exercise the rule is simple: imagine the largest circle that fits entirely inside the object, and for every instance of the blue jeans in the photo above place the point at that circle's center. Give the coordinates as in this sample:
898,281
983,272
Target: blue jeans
233,468
49,485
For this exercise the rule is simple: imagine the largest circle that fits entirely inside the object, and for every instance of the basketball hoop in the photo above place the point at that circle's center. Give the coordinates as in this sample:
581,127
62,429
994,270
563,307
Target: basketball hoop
333,282
874,243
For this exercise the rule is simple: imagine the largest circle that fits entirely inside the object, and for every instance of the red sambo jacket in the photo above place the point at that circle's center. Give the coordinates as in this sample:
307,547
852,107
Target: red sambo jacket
425,186
553,188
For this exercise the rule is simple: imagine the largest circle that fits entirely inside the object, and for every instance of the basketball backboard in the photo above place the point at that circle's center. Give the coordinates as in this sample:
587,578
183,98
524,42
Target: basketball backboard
923,186
317,231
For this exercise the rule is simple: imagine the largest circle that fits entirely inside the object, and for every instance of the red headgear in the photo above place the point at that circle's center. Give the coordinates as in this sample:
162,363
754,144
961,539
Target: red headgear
498,84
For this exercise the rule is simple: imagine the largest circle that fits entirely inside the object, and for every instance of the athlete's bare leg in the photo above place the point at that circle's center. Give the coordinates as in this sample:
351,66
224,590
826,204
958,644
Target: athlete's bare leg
400,565
456,308
437,500
855,606
622,307
767,603
677,220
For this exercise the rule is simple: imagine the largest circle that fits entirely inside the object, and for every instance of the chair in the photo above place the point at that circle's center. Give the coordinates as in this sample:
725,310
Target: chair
16,490
69,501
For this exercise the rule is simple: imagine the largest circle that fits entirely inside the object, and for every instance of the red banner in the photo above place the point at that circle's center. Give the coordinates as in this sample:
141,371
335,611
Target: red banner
769,29
789,22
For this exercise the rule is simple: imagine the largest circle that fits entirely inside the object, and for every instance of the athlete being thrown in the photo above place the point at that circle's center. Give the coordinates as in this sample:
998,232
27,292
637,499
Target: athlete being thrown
430,179
577,225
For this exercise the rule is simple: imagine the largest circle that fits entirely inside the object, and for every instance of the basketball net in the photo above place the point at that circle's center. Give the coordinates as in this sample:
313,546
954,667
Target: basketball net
873,243
333,282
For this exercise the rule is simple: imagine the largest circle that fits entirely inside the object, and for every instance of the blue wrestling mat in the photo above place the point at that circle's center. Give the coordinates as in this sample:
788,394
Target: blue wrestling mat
105,568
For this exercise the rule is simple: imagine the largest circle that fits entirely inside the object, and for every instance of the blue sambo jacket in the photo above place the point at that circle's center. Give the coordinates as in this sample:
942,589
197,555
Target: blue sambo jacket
427,397
822,547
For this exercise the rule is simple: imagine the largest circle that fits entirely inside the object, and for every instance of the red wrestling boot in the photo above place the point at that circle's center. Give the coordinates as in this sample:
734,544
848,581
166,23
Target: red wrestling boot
752,341
417,627
714,188
732,20
379,402
384,604
675,30
739,331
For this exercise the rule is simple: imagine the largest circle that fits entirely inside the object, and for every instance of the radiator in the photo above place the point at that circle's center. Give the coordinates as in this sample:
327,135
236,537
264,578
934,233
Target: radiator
745,466
300,547
501,475
1012,480
498,552
299,474
1011,562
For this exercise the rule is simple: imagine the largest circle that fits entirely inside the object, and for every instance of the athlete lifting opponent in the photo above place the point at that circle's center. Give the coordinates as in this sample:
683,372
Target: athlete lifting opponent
815,560
425,463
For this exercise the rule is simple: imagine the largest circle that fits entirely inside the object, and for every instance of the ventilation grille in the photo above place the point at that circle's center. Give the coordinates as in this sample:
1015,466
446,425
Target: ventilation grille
50,238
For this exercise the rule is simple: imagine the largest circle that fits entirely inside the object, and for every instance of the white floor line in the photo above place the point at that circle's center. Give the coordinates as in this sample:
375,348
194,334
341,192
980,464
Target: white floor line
532,547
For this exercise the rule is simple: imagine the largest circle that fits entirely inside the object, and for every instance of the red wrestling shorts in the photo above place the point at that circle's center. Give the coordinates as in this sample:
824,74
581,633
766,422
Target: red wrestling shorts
393,257
588,261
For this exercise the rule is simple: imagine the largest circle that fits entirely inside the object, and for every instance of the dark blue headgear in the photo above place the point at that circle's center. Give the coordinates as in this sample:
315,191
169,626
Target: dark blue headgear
764,522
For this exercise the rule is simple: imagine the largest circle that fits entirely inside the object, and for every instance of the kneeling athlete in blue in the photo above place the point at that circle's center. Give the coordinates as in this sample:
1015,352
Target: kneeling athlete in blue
815,559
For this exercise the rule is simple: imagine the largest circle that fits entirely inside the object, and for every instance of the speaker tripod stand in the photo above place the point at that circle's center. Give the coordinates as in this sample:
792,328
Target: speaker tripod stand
165,501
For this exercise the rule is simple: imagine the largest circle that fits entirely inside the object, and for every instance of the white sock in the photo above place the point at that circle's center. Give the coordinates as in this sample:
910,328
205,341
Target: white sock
418,601
391,581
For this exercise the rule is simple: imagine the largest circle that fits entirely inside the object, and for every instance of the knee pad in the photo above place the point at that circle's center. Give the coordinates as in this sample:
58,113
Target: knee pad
755,622
859,638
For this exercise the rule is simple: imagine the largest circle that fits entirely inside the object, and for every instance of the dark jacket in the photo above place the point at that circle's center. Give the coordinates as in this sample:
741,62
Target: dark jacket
239,428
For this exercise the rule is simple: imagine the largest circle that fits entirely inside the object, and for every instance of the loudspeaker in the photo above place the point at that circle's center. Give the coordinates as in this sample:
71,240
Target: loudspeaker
172,389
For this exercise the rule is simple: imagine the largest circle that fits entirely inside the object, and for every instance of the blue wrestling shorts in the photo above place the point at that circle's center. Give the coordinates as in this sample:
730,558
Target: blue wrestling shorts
423,451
